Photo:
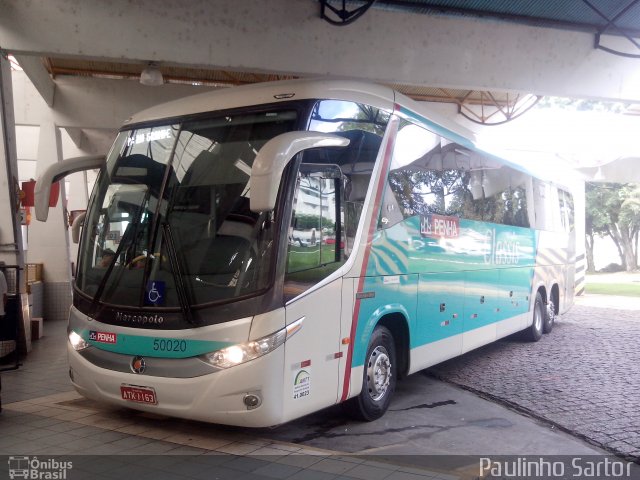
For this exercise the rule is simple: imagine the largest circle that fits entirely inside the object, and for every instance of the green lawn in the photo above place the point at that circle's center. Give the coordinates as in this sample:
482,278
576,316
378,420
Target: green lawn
626,289
303,258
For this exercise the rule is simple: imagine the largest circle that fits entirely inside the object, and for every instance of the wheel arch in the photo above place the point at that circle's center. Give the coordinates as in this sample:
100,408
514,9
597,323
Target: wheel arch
542,290
396,319
398,325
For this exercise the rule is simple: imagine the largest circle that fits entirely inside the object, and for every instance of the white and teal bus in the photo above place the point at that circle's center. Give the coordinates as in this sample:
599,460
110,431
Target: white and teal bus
255,254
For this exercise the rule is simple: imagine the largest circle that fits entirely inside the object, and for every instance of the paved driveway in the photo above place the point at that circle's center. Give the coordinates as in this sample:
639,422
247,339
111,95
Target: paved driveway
584,377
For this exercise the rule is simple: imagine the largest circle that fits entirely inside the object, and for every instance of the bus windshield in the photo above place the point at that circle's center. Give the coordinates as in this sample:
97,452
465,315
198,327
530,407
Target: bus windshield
170,224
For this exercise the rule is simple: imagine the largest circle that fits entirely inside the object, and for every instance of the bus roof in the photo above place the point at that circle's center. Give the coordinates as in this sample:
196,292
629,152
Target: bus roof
352,90
268,92
282,91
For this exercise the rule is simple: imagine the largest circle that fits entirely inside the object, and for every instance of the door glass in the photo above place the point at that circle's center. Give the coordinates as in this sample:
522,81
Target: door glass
331,188
315,238
312,234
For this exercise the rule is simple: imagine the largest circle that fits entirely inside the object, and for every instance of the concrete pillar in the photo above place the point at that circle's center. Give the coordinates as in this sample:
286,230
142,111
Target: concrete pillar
48,241
11,251
10,231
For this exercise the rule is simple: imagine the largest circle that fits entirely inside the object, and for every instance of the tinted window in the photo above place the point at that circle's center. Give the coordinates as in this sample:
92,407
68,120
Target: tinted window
431,175
331,187
566,210
170,223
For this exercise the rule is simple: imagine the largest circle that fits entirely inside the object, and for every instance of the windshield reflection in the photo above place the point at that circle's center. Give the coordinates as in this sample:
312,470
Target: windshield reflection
170,224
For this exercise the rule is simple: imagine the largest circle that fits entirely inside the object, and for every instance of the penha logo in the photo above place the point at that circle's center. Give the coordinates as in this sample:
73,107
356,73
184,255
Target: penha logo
439,226
26,467
103,337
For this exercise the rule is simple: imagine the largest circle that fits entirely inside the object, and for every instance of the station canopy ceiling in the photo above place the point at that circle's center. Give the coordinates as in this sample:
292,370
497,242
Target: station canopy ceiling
599,17
616,17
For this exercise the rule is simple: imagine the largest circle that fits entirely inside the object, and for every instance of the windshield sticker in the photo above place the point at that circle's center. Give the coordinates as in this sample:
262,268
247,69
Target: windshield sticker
154,294
301,383
113,236
146,137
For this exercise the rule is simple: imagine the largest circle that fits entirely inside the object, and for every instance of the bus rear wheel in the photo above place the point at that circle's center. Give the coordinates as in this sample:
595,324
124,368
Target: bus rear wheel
534,332
379,378
549,317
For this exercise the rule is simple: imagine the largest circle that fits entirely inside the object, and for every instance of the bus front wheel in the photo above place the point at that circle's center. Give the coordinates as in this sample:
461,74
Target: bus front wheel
379,378
534,332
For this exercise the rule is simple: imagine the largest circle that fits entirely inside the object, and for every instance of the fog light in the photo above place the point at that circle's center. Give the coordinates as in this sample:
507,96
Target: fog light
252,401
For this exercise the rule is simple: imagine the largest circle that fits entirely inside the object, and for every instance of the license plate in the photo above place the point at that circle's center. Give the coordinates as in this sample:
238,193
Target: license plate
138,394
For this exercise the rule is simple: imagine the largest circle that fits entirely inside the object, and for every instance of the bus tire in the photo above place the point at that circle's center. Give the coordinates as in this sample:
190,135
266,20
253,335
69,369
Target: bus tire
549,317
379,378
534,332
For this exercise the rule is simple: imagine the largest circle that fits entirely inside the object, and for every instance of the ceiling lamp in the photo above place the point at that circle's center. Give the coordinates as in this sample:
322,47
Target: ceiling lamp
151,76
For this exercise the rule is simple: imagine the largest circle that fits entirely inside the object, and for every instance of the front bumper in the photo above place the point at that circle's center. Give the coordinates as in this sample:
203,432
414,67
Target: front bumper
217,397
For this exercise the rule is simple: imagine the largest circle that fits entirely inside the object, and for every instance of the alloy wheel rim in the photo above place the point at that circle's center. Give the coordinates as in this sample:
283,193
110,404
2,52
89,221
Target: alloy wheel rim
378,373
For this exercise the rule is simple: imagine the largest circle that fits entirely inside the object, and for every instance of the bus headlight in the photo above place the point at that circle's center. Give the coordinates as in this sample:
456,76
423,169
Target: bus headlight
244,352
77,342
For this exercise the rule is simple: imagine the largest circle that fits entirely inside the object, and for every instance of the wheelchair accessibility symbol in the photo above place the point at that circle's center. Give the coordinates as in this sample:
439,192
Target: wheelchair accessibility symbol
154,294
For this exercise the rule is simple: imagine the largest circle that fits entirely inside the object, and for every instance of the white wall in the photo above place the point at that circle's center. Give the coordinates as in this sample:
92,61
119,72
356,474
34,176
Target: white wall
98,107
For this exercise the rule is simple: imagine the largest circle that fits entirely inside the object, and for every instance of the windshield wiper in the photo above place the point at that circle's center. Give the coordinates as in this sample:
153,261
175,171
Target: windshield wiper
132,229
181,290
114,259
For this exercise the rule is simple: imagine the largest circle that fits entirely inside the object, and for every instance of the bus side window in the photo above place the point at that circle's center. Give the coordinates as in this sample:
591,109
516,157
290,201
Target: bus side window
505,197
417,183
430,174
364,126
565,201
543,205
563,213
568,202
330,192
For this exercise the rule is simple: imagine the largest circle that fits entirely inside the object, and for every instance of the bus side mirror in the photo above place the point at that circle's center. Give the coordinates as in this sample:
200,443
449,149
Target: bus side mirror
75,227
57,171
274,156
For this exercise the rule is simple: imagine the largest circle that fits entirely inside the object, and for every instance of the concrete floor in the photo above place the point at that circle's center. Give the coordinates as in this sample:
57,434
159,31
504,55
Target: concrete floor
430,417
582,377
433,430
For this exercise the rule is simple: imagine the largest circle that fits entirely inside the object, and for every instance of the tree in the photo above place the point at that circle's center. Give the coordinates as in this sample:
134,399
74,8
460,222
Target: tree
630,215
613,210
562,103
595,218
